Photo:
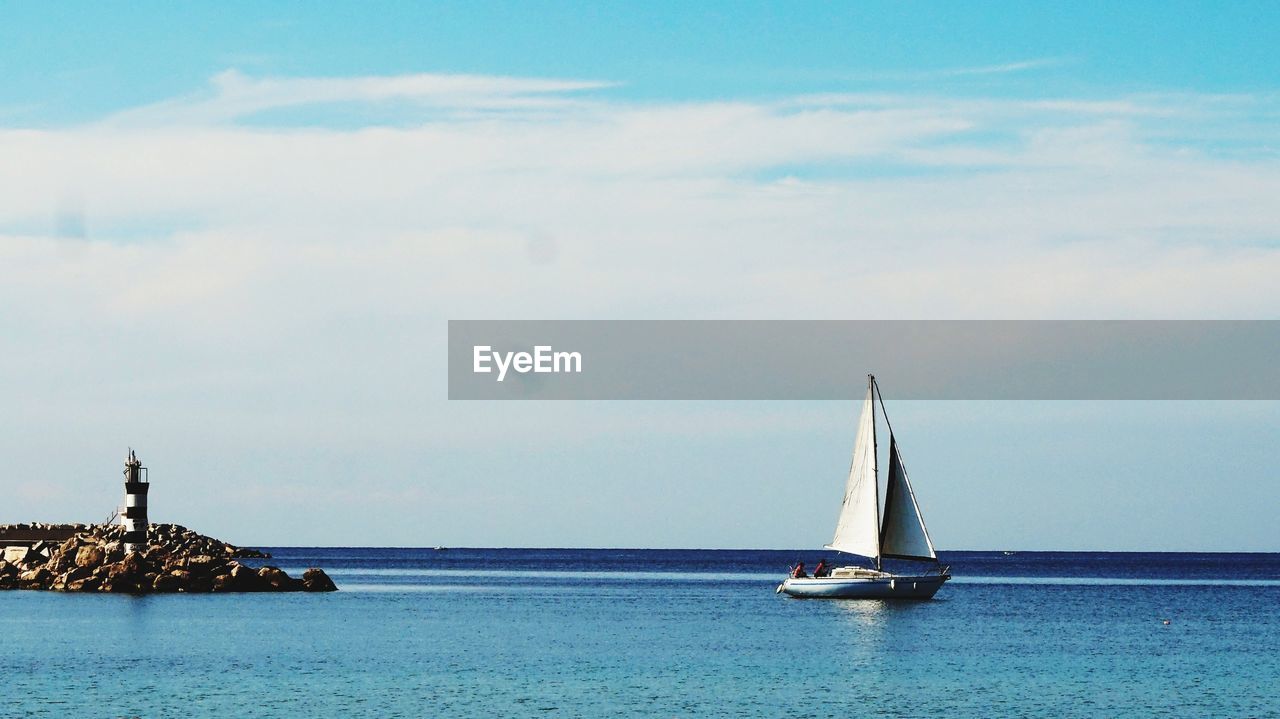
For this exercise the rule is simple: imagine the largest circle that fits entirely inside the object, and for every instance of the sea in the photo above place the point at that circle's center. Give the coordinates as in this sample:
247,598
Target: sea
661,633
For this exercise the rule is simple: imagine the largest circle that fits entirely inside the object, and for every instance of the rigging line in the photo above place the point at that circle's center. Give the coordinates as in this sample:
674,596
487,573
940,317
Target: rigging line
893,444
883,412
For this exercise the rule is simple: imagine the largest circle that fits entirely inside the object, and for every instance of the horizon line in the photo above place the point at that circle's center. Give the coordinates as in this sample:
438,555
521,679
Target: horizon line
444,548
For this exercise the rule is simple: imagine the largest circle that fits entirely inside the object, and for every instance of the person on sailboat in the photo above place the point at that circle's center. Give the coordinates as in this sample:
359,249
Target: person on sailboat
798,572
822,570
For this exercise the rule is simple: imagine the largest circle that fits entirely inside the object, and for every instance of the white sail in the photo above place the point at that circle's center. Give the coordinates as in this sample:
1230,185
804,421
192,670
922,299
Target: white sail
857,531
903,534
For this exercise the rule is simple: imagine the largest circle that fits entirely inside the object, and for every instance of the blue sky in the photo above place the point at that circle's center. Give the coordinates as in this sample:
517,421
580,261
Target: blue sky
75,61
232,236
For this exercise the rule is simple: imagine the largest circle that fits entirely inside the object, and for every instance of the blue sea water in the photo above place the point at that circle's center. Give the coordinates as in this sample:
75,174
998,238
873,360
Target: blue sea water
587,633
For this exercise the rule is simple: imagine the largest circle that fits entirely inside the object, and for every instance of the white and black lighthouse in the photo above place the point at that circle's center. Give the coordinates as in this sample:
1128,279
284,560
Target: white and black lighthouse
134,516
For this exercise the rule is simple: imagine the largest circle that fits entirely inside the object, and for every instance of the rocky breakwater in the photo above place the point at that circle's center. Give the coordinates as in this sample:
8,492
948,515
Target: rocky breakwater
176,559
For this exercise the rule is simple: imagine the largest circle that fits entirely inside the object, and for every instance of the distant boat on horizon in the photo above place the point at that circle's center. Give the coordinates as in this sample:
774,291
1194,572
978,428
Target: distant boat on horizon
861,530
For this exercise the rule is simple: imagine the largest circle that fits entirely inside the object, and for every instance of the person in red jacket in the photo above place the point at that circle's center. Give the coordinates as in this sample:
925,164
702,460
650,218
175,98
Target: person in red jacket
822,570
798,572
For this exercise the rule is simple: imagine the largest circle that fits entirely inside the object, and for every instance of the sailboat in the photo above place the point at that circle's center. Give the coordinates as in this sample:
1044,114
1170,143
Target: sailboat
863,530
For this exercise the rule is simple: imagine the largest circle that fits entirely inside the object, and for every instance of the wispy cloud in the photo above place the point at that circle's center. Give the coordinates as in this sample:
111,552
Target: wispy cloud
927,75
233,95
999,69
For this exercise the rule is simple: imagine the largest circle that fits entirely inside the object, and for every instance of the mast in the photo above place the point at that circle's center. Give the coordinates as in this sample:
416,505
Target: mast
874,390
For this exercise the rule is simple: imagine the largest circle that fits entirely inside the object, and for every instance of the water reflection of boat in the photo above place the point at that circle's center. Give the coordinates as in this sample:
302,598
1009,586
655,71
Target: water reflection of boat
861,530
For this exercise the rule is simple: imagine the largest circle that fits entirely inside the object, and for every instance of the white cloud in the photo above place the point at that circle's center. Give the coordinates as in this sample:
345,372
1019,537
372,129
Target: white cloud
283,288
704,209
720,209
233,95
1002,68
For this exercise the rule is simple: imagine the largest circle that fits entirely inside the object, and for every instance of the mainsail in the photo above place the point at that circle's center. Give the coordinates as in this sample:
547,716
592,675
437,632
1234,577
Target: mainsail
857,529
903,535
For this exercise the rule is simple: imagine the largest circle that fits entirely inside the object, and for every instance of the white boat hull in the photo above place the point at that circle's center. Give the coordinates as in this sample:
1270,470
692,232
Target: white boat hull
909,587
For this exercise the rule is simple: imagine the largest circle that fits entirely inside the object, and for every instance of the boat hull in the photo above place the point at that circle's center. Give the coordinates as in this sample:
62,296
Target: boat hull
909,587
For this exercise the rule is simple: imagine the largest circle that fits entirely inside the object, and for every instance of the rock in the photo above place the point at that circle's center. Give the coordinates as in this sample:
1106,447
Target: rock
278,580
166,583
89,556
244,579
60,563
31,558
315,580
174,559
202,561
38,578
132,565
127,575
88,584
76,574
114,551
200,583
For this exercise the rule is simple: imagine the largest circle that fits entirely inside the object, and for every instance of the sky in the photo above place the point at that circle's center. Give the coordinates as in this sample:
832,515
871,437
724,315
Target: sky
231,238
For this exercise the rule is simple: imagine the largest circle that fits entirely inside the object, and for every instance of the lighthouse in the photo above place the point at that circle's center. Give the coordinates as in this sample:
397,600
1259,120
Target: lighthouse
134,516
